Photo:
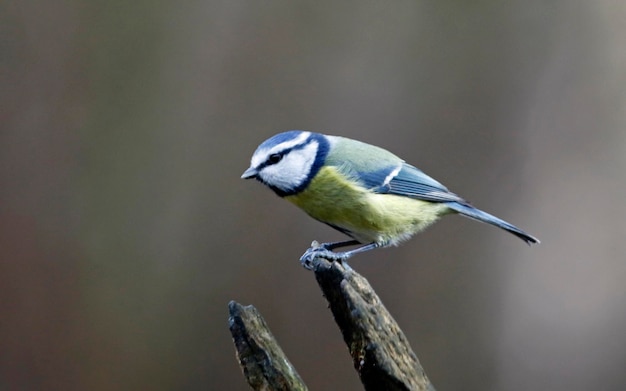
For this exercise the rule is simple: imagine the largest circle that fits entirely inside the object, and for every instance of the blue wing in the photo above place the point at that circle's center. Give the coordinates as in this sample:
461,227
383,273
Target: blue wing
408,181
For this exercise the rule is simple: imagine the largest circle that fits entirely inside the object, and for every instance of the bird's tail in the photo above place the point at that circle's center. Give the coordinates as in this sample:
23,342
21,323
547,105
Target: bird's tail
476,214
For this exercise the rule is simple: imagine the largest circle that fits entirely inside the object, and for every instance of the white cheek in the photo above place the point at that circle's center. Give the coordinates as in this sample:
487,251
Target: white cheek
293,170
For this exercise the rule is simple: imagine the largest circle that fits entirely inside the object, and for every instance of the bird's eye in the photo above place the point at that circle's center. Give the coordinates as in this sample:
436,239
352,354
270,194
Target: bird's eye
274,158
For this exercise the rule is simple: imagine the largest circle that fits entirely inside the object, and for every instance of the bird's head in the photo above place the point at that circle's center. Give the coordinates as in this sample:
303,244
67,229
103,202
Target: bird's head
288,161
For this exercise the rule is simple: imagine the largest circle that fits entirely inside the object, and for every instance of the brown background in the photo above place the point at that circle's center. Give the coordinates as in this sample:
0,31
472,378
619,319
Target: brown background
125,229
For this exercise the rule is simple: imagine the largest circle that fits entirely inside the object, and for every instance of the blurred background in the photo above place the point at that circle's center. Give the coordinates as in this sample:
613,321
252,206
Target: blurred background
125,229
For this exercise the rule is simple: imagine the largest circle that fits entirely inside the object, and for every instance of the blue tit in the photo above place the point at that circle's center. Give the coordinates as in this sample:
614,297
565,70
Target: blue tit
362,190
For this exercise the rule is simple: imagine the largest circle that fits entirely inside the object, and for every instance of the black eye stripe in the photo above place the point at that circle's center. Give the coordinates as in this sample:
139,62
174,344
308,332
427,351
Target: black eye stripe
273,159
278,156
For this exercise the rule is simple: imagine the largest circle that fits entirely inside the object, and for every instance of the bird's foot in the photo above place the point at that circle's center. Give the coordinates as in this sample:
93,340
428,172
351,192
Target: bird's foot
320,250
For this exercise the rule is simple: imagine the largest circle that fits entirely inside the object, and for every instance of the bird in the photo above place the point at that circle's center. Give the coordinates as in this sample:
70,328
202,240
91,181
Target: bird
364,191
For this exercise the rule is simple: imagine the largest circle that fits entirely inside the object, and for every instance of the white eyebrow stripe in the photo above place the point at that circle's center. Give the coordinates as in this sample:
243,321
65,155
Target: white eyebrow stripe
260,156
392,175
289,144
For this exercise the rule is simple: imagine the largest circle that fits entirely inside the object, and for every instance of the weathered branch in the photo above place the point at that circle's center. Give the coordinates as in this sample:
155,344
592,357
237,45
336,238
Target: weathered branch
264,364
380,352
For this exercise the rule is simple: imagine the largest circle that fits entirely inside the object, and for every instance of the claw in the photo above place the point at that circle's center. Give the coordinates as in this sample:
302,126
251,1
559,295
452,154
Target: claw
307,258
325,250
316,245
310,255
320,251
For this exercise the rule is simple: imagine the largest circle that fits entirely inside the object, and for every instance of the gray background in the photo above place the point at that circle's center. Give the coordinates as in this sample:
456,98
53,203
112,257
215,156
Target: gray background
125,229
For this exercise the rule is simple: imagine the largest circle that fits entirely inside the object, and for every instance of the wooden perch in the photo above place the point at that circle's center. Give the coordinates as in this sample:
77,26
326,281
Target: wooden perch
380,352
264,364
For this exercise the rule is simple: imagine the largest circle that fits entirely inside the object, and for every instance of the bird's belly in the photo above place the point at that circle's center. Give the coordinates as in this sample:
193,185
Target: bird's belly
366,216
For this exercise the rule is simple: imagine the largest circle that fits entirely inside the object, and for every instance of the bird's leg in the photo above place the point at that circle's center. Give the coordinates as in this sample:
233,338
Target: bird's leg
334,245
324,250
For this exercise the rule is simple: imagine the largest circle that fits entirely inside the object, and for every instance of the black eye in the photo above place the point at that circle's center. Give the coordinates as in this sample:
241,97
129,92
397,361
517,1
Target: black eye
274,158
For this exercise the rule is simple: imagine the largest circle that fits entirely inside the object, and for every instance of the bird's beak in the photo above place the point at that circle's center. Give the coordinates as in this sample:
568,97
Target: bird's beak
249,173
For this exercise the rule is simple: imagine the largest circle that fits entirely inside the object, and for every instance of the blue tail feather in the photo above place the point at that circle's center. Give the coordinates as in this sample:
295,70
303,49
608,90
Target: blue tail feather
476,214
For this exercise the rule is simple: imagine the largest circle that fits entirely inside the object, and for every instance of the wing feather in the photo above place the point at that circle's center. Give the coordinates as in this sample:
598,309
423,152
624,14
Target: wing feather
408,182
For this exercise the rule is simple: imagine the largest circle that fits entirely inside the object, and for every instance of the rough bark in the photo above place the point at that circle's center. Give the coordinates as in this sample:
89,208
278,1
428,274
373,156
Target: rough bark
380,351
263,362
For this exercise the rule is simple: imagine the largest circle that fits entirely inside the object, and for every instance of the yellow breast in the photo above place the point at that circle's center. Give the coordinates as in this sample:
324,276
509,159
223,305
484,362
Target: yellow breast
386,219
